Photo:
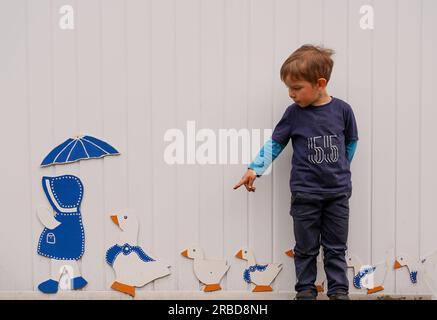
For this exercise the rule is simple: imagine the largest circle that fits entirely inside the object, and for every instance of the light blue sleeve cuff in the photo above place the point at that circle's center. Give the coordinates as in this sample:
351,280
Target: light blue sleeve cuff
350,150
268,153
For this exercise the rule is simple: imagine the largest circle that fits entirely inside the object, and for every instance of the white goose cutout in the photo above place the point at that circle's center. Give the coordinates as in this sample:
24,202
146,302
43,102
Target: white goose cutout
378,273
413,267
133,267
208,272
260,275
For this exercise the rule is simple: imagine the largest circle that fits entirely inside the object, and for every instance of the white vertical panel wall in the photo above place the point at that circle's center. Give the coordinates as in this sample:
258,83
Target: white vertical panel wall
131,70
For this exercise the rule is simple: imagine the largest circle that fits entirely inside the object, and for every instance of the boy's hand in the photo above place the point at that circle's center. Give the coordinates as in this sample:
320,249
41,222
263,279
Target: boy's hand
248,179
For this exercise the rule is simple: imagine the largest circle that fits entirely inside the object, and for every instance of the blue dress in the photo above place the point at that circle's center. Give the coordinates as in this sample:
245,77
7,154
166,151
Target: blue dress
67,241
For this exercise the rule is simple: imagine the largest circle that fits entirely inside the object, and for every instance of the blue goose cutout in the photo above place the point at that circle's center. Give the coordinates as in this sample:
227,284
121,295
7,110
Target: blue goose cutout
78,148
66,241
126,249
248,271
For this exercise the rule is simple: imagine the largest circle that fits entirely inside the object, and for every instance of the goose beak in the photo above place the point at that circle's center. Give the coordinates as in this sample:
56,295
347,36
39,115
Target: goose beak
239,254
185,253
115,220
290,253
397,265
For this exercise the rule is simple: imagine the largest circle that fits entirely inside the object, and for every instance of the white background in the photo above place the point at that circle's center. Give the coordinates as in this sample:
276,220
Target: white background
132,69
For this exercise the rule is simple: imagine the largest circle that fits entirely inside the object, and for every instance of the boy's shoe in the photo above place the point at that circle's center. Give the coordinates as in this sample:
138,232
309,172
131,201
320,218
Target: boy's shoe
305,295
339,296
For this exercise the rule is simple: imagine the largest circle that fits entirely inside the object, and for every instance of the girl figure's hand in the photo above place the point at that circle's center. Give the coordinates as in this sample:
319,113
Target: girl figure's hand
248,179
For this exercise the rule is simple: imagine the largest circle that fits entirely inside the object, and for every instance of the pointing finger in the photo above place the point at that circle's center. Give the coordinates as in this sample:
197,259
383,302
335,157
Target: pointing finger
239,184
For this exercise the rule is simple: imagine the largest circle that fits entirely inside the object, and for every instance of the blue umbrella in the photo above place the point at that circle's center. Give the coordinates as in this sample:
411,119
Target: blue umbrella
79,148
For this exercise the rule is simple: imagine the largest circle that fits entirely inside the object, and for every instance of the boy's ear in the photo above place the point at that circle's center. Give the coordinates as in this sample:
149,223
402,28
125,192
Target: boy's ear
322,82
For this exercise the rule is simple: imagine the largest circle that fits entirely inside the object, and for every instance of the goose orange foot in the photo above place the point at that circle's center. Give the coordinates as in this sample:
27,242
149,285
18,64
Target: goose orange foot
212,287
376,289
320,288
123,288
262,288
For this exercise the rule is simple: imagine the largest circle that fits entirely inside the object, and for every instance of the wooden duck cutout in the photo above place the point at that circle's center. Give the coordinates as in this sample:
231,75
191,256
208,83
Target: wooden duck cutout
412,266
133,267
208,272
260,275
361,274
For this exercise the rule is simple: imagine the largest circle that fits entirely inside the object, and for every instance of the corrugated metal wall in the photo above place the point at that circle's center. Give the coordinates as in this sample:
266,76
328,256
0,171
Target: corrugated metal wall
132,69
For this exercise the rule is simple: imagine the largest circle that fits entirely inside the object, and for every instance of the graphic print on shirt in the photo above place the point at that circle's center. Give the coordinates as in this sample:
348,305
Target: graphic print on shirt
329,151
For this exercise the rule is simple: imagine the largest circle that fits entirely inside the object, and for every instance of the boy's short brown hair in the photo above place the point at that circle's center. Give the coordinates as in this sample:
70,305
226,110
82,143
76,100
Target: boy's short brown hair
308,63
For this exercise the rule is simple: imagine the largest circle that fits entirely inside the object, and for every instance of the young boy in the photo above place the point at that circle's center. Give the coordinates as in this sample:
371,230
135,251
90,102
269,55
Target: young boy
324,135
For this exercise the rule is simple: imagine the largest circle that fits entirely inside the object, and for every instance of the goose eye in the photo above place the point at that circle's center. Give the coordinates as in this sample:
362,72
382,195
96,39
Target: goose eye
125,217
245,251
194,250
402,259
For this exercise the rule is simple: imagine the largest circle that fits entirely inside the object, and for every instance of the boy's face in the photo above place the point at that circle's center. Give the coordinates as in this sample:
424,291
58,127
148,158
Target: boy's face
303,92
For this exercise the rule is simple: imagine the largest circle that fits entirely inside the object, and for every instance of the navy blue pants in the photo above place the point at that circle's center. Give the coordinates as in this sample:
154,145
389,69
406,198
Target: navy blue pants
320,219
